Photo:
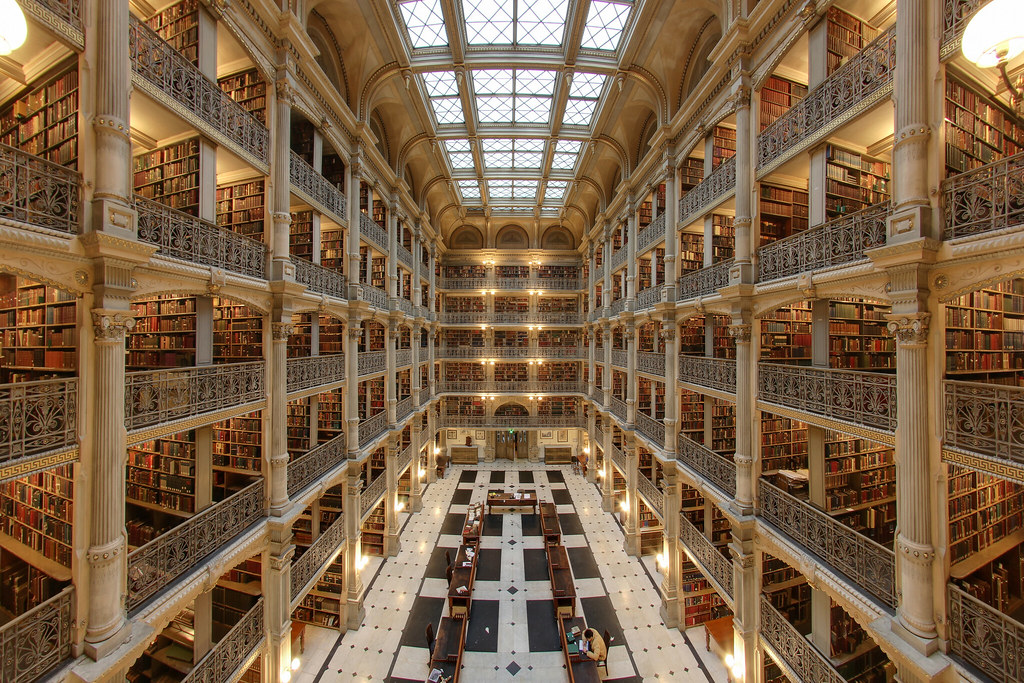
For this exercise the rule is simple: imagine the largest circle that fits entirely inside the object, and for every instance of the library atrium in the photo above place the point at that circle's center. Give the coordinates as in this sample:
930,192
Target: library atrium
543,340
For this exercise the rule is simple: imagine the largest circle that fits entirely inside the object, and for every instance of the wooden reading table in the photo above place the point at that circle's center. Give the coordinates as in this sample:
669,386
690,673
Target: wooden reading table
582,669
563,589
549,524
474,525
463,574
521,498
448,647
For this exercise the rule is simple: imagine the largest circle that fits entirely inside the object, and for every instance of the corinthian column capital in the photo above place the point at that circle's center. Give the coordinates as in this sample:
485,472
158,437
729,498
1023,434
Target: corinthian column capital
281,331
909,330
111,325
741,333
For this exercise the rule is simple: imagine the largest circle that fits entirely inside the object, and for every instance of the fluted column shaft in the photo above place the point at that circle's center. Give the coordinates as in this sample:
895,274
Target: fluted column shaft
353,550
607,483
592,359
394,288
278,484
432,275
353,335
744,417
355,178
745,140
113,174
607,374
606,261
670,566
392,542
911,129
631,380
414,372
671,420
281,177
415,481
631,526
671,218
391,385
631,262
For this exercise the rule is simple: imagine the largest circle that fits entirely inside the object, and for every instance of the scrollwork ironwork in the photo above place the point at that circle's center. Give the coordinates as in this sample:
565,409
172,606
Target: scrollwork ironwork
233,651
372,494
648,298
955,16
618,408
311,467
319,279
713,373
985,638
704,281
790,646
377,298
372,427
620,358
371,362
315,371
652,234
985,199
651,428
717,469
38,192
36,642
651,362
37,418
403,408
708,192
987,419
321,193
369,229
654,497
315,559
709,558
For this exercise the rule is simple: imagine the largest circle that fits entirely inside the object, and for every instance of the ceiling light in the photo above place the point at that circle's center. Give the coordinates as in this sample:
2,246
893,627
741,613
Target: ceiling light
14,29
993,37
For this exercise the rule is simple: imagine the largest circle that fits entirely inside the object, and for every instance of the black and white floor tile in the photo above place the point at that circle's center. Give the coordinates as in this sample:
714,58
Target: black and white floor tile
512,634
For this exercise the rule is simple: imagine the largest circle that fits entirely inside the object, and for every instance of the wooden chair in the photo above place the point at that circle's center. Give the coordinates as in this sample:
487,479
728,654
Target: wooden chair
602,664
430,639
448,557
448,574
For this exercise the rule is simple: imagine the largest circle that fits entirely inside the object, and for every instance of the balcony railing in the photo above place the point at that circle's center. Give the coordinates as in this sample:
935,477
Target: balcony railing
618,408
648,298
403,408
706,555
514,421
599,436
38,641
403,357
713,373
651,362
511,352
310,468
319,279
371,362
37,418
837,243
617,306
984,638
703,281
372,427
315,371
38,192
372,494
179,235
163,560
651,493
652,234
405,256
316,190
156,397
716,468
986,199
866,563
619,458
234,652
557,317
63,16
620,358
403,459
452,386
955,16
861,398
790,647
708,192
651,428
369,229
853,88
513,283
377,298
165,74
403,305
987,419
619,257
316,558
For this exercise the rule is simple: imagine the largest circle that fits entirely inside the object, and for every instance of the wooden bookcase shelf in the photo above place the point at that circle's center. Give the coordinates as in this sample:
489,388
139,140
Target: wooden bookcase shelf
691,173
779,95
237,332
723,145
985,514
36,525
465,304
161,475
846,36
691,415
858,338
300,235
786,336
985,334
298,424
164,335
241,208
783,211
38,331
373,529
853,181
238,444
783,444
170,175
248,89
43,118
179,26
979,129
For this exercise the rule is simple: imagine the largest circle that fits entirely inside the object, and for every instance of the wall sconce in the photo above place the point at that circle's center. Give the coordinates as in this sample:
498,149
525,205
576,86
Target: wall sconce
624,505
735,666
993,37
399,506
437,451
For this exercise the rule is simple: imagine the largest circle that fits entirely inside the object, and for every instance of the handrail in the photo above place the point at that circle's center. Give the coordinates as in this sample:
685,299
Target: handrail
706,555
703,281
370,362
864,398
372,427
708,192
984,199
39,192
233,652
716,468
310,468
372,231
38,418
314,371
317,190
38,641
651,428
319,279
713,373
985,419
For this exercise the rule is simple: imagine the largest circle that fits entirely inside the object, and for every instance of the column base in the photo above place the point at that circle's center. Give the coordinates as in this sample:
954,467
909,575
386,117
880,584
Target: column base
631,544
669,612
101,649
354,614
392,545
926,646
607,502
416,502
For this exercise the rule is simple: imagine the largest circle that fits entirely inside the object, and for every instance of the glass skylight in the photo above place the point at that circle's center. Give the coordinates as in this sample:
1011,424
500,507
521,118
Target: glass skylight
470,189
541,22
555,189
443,91
513,95
460,154
515,22
512,189
512,209
509,153
566,154
425,23
605,22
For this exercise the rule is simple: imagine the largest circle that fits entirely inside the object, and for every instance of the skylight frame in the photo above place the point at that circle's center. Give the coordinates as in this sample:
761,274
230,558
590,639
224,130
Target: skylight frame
423,18
605,24
540,24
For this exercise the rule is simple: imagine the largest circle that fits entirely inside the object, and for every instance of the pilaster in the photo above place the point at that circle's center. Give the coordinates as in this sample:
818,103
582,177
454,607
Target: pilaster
744,457
631,526
278,406
670,565
353,557
392,540
607,493
277,580
746,594
280,185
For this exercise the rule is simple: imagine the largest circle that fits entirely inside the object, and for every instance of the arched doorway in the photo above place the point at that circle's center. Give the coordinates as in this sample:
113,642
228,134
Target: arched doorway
509,443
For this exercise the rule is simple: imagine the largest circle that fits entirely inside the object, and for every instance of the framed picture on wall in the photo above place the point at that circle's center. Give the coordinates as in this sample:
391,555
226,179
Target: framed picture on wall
453,434
480,435
545,435
563,436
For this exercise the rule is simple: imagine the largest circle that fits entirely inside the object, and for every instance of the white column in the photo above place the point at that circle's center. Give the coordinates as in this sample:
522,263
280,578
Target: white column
631,380
740,331
392,542
670,566
391,385
745,140
278,407
354,176
352,336
630,290
671,420
280,181
354,608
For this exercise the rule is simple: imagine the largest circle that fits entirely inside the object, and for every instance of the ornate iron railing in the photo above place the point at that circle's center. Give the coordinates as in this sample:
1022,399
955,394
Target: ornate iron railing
315,371
559,317
316,558
403,305
513,421
790,647
155,397
403,408
618,408
372,427
232,653
558,352
512,283
164,73
163,560
651,362
853,88
617,306
651,428
405,256
619,458
179,235
620,358
35,643
317,190
703,281
63,16
648,298
984,638
619,257
652,234
377,298
372,495
714,373
863,398
716,468
310,468
867,564
706,555
451,386
987,419
464,317
708,192
369,229
38,192
38,418
837,243
403,357
372,361
955,16
599,436
988,198
403,459
651,493
319,279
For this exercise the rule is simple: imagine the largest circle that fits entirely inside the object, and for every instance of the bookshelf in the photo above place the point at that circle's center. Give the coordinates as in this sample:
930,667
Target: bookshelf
302,134
515,339
511,372
783,444
241,208
721,528
36,525
170,655
858,338
161,475
373,531
549,338
794,602
464,338
550,304
723,344
691,173
466,272
853,181
703,607
723,142
332,336
330,416
465,304
237,444
464,372
322,605
464,405
691,415
300,341
778,95
723,238
651,530
509,304
248,89
404,384
775,572
723,426
691,252
43,118
179,26
786,336
300,235
691,337
38,329
170,175
332,248
164,335
558,406
783,211
691,504
297,422
985,516
371,398
559,272
846,35
372,338
23,585
237,332
562,371
979,129
860,485
985,334
512,272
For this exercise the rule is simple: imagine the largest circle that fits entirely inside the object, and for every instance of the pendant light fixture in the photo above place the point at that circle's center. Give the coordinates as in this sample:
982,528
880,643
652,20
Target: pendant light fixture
13,28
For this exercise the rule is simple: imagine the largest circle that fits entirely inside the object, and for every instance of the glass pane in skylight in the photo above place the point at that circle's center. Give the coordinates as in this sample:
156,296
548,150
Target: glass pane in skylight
555,189
493,81
425,23
458,145
499,189
530,145
470,189
528,159
569,146
524,189
494,109
586,85
563,162
461,160
497,144
541,22
579,112
531,82
532,109
498,159
605,22
447,110
488,21
441,83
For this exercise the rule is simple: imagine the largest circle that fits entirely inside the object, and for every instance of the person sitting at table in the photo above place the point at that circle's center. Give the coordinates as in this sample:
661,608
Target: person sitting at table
596,648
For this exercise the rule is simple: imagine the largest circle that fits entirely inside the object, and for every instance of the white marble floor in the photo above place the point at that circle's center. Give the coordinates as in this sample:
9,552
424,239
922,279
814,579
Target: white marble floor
375,652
